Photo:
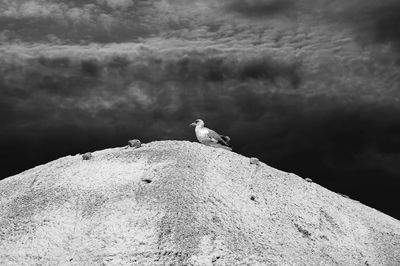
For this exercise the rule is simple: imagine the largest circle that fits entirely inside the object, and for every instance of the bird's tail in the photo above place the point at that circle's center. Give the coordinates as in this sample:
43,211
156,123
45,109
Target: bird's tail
226,141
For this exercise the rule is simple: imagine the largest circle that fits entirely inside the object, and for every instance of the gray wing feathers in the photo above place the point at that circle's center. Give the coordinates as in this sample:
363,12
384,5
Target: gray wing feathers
217,138
214,136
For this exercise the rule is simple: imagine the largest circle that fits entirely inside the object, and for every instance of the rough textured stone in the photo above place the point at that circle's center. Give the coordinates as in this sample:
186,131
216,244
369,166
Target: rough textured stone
87,156
134,143
254,160
183,203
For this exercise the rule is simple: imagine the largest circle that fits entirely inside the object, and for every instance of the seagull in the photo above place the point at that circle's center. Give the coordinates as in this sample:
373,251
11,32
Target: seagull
209,137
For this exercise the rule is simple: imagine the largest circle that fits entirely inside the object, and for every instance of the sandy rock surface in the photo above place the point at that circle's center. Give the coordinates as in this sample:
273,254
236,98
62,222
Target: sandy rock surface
182,203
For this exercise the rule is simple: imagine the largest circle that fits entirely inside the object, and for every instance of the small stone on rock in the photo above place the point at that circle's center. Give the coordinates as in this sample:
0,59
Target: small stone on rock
254,160
147,180
87,156
308,179
345,196
134,143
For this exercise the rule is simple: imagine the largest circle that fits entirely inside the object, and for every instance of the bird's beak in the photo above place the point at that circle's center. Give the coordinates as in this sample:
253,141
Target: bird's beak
192,124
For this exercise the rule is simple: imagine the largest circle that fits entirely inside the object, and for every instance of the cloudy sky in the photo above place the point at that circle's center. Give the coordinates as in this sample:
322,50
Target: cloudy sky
308,86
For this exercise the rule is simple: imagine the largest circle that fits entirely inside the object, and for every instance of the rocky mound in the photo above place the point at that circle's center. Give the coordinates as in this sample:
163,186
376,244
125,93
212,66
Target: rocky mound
182,203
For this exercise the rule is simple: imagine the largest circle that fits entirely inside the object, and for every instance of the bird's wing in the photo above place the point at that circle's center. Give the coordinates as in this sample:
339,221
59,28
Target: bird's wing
217,138
214,136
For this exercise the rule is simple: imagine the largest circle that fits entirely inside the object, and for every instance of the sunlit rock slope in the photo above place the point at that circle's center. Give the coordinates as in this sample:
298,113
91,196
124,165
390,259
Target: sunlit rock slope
182,203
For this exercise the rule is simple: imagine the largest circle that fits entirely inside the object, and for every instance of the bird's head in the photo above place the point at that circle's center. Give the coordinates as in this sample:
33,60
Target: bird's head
197,122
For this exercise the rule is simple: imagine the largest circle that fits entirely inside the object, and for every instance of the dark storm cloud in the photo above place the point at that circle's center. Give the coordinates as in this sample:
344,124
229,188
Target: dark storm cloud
246,68
150,85
386,25
375,21
77,21
259,7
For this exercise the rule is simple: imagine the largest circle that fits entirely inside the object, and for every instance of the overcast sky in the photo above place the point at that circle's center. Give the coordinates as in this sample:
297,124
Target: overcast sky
308,86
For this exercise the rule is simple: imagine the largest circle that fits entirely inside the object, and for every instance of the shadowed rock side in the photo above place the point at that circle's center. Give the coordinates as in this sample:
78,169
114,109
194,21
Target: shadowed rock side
182,203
